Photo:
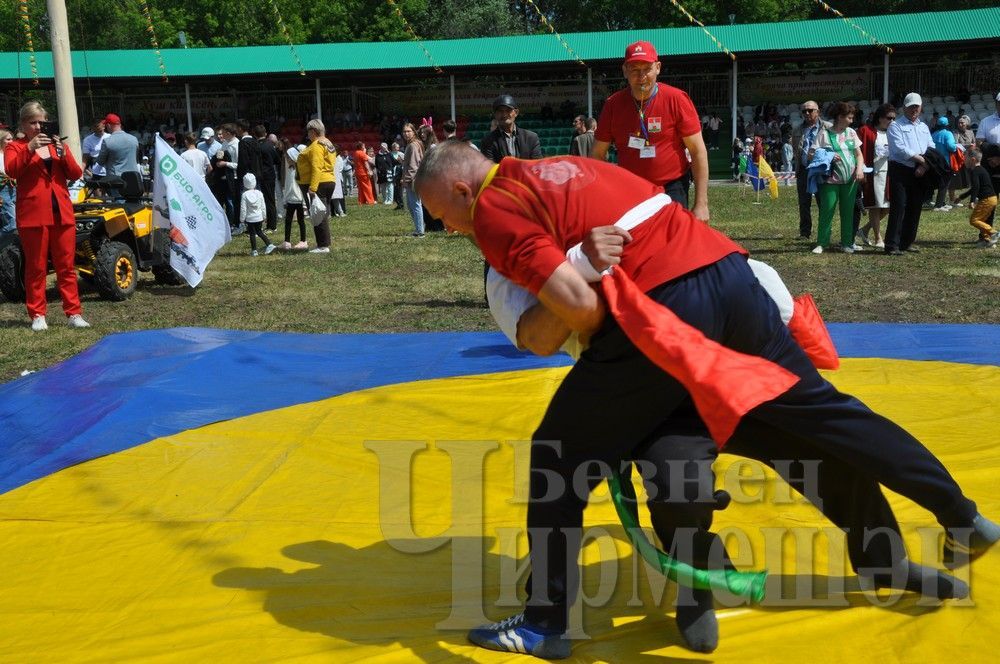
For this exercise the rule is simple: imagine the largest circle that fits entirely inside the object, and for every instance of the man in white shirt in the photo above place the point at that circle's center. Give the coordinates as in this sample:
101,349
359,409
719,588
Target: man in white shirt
208,144
989,128
195,157
91,149
909,138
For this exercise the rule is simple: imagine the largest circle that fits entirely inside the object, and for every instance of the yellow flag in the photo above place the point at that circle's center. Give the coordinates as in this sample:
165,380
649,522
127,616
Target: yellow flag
767,174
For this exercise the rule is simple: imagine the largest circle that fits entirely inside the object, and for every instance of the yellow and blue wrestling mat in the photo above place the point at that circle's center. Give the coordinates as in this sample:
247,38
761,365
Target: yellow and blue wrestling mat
206,495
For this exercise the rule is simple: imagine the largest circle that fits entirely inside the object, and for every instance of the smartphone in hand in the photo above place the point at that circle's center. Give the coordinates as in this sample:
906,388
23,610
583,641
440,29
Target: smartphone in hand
50,129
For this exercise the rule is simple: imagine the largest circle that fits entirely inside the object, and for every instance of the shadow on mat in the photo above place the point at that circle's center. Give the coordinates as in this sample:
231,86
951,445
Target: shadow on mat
378,596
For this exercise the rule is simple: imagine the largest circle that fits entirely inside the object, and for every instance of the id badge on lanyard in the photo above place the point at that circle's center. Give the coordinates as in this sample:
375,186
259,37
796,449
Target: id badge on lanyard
641,142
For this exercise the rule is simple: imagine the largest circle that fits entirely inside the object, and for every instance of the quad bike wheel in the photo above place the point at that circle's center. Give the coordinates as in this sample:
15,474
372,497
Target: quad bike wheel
12,272
115,271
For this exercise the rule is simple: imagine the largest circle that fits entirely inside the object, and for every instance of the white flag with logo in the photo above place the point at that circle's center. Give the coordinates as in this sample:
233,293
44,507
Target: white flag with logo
183,203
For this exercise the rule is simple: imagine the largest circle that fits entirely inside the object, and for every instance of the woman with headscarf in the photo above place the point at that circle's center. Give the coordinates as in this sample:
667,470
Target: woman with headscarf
41,164
966,138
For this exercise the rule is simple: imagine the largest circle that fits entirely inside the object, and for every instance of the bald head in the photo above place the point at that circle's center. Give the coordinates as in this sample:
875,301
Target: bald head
448,182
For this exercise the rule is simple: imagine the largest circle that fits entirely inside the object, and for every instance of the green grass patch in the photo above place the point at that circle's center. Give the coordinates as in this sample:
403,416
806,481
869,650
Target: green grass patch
378,279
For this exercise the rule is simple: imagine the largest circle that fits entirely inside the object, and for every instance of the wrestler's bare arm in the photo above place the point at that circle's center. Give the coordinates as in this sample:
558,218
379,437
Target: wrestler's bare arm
569,297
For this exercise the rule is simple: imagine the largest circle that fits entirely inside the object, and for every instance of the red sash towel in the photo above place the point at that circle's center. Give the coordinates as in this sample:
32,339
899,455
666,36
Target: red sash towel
810,331
724,384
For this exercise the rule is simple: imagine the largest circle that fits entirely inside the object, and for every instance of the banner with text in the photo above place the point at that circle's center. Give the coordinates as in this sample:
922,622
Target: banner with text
183,203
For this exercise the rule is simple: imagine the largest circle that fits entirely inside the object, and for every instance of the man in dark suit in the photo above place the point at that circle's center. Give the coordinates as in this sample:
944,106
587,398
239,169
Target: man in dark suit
247,159
508,140
270,160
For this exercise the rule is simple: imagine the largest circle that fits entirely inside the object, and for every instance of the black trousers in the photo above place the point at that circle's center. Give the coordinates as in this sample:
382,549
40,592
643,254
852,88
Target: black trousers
293,210
255,230
223,192
322,230
905,204
678,189
805,203
676,467
270,209
614,398
397,192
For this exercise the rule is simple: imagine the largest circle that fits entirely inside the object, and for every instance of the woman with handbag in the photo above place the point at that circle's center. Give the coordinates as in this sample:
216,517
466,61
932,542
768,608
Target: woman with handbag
841,187
41,164
874,194
315,169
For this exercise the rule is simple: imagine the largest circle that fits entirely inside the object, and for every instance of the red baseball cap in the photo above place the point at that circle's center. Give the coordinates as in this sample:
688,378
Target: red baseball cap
640,51
111,118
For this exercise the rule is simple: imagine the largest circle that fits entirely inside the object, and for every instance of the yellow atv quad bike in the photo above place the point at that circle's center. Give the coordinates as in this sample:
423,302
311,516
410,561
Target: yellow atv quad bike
115,241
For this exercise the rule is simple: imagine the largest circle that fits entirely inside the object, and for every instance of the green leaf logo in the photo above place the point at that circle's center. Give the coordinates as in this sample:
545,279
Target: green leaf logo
168,164
176,204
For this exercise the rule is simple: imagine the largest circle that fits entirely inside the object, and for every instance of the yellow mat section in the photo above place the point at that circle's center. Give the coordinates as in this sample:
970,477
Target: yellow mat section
358,528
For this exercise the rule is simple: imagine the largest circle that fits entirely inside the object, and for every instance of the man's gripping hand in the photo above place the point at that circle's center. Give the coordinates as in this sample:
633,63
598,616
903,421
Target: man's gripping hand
604,245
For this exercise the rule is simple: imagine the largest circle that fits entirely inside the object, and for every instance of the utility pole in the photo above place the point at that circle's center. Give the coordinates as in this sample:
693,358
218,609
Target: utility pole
182,38
62,69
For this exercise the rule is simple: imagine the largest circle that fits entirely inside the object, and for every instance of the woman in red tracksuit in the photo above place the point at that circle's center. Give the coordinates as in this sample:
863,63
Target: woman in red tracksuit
41,164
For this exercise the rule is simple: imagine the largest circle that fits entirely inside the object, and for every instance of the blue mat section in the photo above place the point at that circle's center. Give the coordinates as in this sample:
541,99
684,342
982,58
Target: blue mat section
968,344
131,388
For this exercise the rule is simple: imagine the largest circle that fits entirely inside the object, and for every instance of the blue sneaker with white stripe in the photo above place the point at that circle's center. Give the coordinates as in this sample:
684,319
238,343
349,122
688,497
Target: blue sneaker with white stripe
516,635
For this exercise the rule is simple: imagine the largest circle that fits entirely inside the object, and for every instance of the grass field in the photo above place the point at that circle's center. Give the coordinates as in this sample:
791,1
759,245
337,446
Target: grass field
377,279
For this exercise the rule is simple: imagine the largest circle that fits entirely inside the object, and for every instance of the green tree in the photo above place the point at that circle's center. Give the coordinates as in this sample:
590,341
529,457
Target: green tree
120,24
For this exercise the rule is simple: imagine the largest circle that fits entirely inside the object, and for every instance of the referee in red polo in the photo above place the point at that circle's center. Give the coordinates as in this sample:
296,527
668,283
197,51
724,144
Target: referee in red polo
651,124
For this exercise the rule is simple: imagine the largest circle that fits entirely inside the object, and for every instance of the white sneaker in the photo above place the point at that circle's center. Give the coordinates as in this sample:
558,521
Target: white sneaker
38,324
253,253
943,208
286,246
76,321
269,249
880,245
847,250
992,242
959,204
857,247
320,250
817,249
299,246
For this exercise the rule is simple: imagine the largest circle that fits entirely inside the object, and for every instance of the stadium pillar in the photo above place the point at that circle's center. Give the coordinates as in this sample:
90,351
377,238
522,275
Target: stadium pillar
187,100
452,79
885,79
590,93
62,69
733,99
319,104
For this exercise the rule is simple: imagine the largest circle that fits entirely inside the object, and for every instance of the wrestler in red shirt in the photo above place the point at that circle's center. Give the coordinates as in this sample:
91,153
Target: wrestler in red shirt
562,200
651,124
525,215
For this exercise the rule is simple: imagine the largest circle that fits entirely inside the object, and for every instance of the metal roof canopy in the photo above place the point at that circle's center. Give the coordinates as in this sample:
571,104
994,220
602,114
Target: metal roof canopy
352,62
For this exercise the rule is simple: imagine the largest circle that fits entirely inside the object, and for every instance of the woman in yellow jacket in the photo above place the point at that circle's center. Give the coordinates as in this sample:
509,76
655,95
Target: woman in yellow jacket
315,173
